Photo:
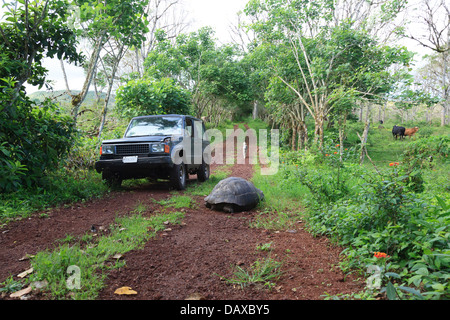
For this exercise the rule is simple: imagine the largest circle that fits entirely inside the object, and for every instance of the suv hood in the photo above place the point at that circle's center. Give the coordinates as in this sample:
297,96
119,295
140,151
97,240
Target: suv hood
136,139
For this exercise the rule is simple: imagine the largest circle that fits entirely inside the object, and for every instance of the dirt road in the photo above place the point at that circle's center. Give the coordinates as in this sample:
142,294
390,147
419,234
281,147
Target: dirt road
192,258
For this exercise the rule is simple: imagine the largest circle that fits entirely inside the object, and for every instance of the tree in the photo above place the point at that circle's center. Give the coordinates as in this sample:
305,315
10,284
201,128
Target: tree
212,74
434,15
121,20
322,59
164,15
33,139
406,100
429,79
149,97
33,31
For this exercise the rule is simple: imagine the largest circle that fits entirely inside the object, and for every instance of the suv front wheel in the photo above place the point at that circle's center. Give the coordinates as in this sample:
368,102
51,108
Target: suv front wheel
178,176
112,180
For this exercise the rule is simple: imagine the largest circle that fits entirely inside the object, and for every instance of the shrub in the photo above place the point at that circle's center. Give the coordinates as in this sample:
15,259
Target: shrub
424,152
33,138
368,212
386,216
324,175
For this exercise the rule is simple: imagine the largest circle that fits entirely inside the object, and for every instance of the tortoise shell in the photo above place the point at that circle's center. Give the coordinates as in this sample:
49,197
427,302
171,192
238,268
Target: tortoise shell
234,194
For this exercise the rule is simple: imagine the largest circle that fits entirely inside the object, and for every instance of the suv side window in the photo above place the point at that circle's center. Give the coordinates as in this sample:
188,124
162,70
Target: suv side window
189,128
198,126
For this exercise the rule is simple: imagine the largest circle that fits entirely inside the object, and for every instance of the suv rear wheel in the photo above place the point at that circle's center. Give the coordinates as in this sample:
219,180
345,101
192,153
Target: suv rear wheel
203,172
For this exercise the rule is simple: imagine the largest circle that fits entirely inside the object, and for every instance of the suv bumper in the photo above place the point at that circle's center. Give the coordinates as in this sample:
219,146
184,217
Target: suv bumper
143,163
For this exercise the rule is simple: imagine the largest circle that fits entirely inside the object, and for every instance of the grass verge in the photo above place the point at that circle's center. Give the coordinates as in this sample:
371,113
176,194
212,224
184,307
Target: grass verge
77,271
262,271
280,209
177,202
58,188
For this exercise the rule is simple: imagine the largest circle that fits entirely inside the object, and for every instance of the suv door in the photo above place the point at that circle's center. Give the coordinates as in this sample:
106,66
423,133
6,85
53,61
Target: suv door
198,142
188,141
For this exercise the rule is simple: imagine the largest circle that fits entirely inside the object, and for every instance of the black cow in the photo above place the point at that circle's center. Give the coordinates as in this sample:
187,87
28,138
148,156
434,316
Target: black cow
398,131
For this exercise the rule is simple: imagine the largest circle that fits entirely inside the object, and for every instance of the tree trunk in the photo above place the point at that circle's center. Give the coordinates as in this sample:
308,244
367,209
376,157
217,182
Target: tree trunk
342,121
255,109
302,136
318,130
445,85
379,114
367,117
294,134
110,85
78,99
363,142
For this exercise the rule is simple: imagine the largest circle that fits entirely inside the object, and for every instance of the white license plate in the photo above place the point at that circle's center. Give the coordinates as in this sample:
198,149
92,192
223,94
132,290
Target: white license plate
132,159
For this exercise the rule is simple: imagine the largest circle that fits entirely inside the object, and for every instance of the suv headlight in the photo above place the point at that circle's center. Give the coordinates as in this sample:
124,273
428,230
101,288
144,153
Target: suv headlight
107,149
157,147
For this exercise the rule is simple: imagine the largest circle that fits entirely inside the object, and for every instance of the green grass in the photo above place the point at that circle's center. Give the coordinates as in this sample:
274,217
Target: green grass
383,148
59,188
281,208
276,220
278,193
177,202
263,271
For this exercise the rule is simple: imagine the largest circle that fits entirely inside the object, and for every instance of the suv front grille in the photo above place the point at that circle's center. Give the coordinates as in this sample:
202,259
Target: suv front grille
132,149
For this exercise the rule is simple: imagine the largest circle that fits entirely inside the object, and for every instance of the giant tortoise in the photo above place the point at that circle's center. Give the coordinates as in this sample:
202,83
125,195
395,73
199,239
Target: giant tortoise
234,194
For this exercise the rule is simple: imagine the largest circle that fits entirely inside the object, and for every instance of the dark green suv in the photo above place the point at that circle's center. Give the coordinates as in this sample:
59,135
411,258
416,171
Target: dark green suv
157,147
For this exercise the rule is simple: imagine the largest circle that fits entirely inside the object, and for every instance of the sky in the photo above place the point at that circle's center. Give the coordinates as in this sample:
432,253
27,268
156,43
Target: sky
218,14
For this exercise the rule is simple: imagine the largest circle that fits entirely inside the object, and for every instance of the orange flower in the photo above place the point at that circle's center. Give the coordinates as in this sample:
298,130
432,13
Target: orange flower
337,145
396,163
326,155
380,255
391,164
335,152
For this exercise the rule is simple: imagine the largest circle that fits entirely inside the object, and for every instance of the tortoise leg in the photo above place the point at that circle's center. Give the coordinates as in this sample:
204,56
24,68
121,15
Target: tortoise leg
208,205
228,208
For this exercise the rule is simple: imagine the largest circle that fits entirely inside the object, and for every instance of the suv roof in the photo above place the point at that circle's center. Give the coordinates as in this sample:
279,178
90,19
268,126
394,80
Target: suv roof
166,115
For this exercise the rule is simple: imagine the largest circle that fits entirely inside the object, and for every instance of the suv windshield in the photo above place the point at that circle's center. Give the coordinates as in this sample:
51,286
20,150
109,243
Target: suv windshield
155,126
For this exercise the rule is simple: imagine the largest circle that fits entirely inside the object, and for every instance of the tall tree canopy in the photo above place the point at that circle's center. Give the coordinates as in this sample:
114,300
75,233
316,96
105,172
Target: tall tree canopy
100,21
35,30
322,60
211,73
